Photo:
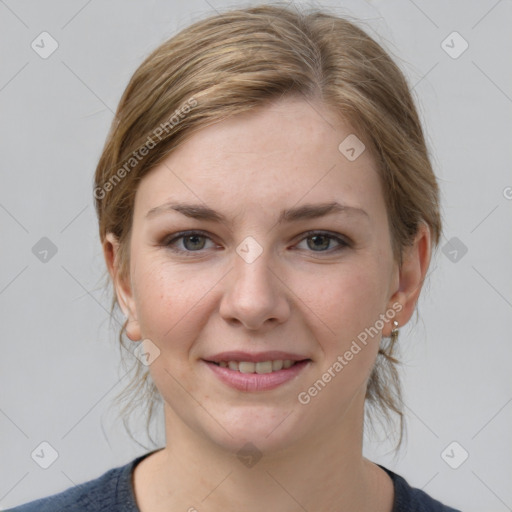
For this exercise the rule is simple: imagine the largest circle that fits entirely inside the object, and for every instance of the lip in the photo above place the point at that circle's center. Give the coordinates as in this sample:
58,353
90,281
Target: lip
237,355
251,382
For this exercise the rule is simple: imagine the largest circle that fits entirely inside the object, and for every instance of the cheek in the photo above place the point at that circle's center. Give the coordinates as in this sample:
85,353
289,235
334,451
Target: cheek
161,297
170,303
349,307
346,300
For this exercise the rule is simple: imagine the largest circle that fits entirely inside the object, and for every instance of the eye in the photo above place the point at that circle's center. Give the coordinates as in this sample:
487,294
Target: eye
321,240
190,241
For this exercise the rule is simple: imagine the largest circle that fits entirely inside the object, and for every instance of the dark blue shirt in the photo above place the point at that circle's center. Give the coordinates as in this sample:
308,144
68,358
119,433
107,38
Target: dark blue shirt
113,492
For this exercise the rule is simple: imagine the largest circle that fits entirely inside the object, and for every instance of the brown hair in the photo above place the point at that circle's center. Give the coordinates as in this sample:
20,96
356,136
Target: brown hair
241,60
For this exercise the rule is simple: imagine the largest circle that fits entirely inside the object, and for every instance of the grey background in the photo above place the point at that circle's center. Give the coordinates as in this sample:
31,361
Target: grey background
60,361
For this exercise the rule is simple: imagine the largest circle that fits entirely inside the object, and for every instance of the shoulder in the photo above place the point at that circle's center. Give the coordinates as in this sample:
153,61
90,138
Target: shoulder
112,492
408,498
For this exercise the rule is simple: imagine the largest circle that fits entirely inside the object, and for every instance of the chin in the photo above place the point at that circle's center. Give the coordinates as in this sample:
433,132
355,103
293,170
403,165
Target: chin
263,431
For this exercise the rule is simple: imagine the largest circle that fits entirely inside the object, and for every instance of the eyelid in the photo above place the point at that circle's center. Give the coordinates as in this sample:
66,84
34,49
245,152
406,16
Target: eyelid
319,232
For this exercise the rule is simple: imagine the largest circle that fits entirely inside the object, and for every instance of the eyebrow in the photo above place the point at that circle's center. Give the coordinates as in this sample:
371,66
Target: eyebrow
307,211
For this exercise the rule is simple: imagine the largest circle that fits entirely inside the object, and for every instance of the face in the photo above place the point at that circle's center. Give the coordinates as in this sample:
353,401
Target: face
260,264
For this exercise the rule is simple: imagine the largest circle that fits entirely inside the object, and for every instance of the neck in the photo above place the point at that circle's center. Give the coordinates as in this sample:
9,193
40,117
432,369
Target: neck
326,472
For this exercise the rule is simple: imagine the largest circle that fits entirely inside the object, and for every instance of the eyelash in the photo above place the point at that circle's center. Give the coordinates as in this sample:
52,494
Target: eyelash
169,241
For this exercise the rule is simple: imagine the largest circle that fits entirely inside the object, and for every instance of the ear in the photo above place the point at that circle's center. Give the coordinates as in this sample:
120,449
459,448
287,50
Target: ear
122,286
410,277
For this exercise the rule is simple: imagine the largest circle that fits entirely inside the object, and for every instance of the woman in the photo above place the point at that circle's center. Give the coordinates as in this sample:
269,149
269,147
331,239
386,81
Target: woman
267,211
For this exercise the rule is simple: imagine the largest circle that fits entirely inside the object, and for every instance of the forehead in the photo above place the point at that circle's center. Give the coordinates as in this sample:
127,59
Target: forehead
288,151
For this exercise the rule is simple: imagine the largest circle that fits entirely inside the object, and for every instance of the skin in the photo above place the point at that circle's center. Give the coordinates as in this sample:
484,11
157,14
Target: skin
294,297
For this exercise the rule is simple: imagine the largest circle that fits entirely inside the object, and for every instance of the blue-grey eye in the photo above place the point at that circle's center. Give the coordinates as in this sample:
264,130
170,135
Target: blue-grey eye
319,242
193,242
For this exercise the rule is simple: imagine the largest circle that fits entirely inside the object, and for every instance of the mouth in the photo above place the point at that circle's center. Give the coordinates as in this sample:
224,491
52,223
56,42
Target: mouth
260,367
250,376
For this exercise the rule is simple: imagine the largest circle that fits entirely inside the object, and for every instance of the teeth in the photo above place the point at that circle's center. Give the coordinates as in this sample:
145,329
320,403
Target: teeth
260,367
277,365
246,367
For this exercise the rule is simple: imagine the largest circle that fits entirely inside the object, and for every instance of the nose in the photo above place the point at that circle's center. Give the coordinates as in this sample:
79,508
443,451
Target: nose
255,295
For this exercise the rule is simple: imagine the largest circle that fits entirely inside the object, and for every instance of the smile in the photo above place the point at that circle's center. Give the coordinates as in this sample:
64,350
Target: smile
249,376
260,367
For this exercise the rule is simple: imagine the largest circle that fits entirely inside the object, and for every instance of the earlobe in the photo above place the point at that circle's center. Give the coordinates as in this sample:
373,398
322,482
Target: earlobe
122,286
411,274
